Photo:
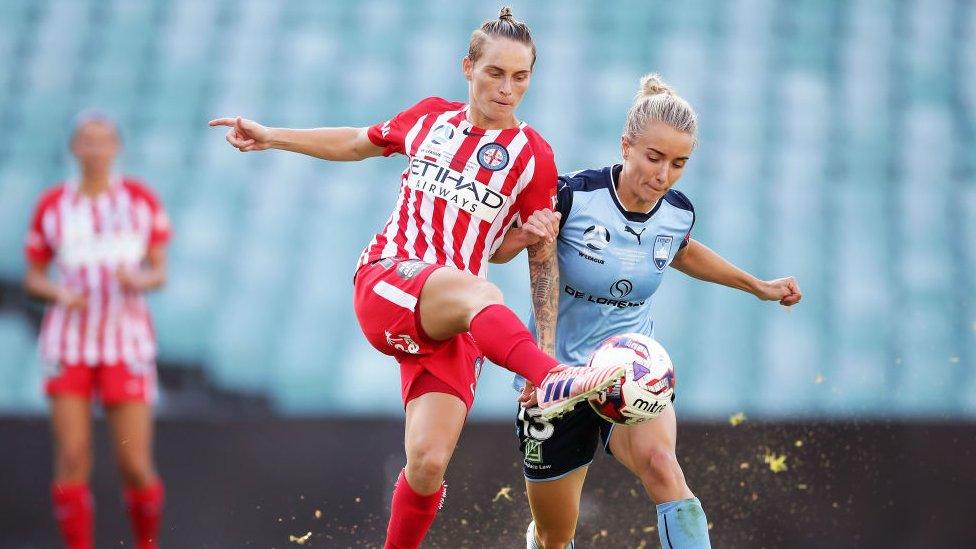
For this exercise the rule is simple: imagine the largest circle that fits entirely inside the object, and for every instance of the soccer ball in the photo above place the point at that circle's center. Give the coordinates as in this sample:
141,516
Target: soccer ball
645,391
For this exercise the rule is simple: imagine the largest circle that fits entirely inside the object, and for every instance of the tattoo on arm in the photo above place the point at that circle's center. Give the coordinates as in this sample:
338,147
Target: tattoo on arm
544,279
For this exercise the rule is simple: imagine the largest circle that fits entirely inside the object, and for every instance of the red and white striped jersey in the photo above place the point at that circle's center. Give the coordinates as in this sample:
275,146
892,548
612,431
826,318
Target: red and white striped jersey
463,187
89,239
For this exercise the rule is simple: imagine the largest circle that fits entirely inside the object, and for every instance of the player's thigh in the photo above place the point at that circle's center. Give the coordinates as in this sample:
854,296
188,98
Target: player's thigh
131,426
450,298
632,445
433,425
555,505
71,424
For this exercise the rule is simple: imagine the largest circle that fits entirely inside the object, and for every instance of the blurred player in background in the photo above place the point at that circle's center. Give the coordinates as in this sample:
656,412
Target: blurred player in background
105,235
420,294
620,227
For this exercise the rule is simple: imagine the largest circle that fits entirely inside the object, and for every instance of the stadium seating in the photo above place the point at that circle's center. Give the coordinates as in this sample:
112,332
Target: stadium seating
837,144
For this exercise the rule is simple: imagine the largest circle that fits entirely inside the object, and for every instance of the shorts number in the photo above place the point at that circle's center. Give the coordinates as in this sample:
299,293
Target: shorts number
533,426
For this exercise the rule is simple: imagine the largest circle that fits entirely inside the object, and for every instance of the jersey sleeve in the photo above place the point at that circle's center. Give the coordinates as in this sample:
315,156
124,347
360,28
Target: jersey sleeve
564,199
160,229
685,203
37,248
540,193
392,134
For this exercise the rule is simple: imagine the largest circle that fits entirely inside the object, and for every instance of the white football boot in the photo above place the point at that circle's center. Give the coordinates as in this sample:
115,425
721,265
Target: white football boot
564,387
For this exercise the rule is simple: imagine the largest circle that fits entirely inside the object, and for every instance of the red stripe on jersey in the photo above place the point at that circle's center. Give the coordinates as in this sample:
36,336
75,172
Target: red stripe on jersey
422,134
481,246
521,162
400,239
105,277
420,244
83,315
381,236
457,118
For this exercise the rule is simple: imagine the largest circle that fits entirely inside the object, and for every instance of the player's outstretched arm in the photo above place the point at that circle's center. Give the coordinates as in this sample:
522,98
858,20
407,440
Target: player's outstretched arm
699,261
325,143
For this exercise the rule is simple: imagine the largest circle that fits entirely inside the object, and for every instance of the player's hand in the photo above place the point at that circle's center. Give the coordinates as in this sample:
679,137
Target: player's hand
543,225
246,135
527,397
131,281
784,290
72,300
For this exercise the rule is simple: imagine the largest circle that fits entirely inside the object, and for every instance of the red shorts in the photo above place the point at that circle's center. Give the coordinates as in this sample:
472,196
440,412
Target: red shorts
114,383
387,294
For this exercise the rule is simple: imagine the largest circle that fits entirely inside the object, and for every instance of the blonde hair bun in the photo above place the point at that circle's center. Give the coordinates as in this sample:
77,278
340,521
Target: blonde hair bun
653,84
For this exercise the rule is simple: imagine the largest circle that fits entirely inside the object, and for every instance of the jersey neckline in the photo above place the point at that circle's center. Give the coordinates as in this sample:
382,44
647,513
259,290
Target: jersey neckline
612,174
466,109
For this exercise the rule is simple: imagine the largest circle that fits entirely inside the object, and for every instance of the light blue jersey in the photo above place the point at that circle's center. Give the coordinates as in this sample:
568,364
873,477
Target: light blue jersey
611,261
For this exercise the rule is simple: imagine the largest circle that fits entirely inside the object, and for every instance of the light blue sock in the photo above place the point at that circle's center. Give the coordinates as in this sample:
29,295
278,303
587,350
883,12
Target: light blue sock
682,525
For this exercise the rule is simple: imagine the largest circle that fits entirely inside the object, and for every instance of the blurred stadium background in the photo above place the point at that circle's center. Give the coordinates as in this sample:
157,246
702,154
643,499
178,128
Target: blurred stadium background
838,145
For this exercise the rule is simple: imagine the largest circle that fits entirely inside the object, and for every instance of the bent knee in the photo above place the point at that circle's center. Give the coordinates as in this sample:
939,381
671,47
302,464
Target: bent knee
481,294
660,468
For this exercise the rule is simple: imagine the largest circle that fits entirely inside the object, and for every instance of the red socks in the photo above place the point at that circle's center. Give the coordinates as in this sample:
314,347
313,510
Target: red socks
145,507
411,515
74,510
503,338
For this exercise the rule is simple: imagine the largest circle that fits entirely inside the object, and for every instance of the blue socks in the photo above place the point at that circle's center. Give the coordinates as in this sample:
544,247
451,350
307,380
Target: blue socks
682,525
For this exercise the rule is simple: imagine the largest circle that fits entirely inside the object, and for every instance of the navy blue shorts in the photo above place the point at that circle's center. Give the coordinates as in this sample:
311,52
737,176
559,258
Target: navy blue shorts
552,449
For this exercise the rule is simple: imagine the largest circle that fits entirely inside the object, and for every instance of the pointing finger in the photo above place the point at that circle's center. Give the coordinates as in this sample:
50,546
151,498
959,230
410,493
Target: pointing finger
221,122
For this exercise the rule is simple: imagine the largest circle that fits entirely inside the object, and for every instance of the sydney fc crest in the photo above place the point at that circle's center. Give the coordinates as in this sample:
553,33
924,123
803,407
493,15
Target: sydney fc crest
662,250
493,156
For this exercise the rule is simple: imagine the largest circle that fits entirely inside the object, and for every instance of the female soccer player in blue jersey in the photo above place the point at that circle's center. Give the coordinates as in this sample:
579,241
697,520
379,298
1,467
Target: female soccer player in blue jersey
619,228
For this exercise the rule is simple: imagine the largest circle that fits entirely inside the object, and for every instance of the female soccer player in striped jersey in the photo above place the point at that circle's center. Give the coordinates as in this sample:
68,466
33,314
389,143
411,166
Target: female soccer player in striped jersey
420,294
105,235
620,227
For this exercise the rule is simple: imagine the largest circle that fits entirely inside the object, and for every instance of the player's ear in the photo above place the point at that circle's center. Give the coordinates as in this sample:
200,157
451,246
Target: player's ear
467,66
624,147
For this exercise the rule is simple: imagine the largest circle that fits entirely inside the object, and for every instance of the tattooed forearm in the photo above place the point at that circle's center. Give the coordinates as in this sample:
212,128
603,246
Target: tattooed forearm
544,279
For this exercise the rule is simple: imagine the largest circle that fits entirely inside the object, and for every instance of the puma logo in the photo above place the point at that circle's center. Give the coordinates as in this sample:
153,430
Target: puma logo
627,229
